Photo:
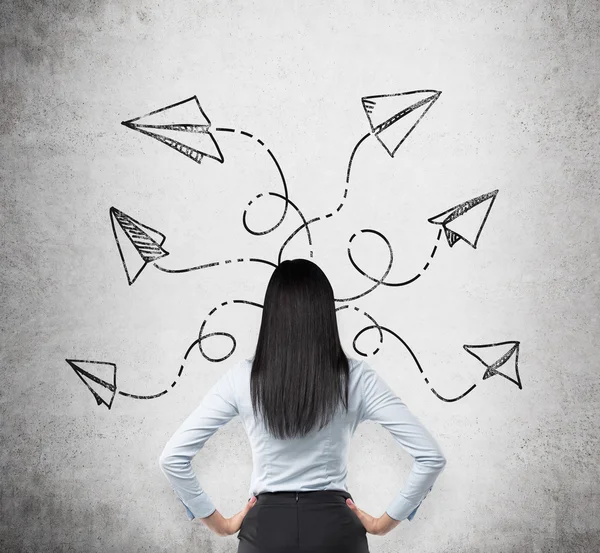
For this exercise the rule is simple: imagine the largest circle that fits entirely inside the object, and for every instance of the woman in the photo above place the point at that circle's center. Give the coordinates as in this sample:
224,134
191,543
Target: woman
300,400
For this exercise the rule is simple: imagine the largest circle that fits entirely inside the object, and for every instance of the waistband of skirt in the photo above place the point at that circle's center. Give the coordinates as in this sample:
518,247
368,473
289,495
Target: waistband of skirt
316,496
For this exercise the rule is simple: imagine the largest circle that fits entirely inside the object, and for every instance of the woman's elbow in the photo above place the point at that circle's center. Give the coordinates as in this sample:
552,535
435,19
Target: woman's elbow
440,460
435,461
165,460
173,462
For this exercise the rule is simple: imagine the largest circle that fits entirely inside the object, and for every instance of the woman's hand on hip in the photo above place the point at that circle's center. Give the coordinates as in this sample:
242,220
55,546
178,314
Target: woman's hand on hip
377,526
226,526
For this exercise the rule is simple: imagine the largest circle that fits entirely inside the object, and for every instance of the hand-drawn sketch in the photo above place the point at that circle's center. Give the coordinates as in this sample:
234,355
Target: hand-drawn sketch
258,196
491,367
488,355
185,127
394,116
100,377
138,244
465,221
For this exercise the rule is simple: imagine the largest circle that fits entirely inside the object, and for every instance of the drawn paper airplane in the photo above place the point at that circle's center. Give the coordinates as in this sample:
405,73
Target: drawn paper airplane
182,126
465,221
138,244
394,116
494,356
99,377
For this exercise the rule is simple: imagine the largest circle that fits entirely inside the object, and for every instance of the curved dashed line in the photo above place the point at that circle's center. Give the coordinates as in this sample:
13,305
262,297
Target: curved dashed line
305,225
215,264
202,337
379,327
285,197
391,260
414,357
340,205
153,396
281,175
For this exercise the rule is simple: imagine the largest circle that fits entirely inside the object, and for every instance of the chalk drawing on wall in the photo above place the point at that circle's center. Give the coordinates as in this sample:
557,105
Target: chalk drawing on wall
462,222
185,127
494,356
394,116
465,221
182,126
100,377
102,382
138,244
248,135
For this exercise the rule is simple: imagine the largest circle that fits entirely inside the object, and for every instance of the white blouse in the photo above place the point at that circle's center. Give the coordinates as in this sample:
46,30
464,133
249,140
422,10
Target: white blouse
316,461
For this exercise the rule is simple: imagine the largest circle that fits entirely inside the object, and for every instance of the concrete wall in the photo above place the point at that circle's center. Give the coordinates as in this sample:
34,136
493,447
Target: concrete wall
518,113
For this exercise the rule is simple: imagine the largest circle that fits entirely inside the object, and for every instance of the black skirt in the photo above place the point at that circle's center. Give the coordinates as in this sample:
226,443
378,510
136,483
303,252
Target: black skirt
302,522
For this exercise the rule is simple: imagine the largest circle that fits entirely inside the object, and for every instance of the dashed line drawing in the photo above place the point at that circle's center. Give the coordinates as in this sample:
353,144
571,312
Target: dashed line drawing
391,259
103,385
216,264
185,127
258,196
182,126
400,113
100,377
464,221
417,363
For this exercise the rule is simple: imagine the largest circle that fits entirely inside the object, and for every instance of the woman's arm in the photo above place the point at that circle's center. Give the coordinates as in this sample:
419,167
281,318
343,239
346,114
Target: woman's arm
216,409
382,405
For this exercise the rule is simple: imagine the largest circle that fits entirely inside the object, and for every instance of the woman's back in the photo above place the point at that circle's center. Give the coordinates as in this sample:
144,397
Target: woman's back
316,461
296,381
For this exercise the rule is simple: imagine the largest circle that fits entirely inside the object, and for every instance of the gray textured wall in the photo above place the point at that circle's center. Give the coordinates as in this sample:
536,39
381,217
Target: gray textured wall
519,112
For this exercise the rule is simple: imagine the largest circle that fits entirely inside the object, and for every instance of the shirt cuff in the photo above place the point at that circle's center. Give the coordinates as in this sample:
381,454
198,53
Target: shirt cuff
198,507
400,508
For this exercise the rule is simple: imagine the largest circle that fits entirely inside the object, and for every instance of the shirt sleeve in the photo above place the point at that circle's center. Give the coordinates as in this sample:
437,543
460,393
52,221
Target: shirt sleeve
382,405
216,409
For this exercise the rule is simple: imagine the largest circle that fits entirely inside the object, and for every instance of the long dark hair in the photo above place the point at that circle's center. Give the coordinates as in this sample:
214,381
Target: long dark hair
300,371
